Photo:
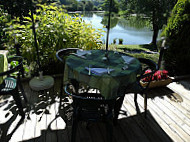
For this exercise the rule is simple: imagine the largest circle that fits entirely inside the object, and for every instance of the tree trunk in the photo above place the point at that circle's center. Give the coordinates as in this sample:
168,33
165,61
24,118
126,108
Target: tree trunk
155,34
155,28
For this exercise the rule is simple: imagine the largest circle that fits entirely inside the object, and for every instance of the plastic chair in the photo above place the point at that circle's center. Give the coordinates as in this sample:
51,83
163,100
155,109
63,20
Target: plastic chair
92,107
10,83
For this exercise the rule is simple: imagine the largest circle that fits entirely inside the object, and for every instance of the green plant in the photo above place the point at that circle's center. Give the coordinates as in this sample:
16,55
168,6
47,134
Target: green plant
4,18
120,41
177,57
55,30
114,40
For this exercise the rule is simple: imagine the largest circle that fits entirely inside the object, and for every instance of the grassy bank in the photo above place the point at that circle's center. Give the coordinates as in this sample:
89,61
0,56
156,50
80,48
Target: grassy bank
137,51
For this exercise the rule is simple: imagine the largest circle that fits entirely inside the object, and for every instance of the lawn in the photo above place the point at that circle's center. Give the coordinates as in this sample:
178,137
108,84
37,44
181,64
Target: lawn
143,51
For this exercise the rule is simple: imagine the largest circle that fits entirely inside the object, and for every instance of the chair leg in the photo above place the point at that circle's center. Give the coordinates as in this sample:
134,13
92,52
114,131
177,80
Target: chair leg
117,108
135,97
17,99
136,104
145,104
74,129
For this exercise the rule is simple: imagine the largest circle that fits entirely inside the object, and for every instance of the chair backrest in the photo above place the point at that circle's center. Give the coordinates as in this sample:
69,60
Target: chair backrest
91,106
60,54
146,64
15,68
162,50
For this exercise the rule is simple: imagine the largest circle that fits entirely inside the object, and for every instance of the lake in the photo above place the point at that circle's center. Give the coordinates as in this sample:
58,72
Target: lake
130,32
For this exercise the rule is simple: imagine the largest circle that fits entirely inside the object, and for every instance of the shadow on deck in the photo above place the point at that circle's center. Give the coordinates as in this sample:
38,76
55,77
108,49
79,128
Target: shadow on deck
46,121
130,129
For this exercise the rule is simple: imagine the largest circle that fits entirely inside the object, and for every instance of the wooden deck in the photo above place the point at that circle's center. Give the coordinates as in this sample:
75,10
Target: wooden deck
168,118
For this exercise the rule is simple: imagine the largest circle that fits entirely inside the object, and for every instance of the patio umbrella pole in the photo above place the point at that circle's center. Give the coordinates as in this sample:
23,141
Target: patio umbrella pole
108,29
41,82
35,42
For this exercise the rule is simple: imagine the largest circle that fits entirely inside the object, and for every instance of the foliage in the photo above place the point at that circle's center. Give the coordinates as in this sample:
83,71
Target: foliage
17,8
114,6
4,18
20,8
82,5
135,21
178,56
55,30
156,10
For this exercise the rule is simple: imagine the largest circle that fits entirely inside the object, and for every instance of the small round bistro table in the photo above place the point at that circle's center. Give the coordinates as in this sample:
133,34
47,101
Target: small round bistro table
107,75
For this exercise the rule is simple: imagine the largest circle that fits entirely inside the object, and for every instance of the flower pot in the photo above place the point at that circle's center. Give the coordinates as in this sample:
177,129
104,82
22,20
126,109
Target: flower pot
157,83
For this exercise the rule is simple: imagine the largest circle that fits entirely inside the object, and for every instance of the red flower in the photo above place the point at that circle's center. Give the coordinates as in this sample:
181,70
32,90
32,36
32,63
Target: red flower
148,71
158,75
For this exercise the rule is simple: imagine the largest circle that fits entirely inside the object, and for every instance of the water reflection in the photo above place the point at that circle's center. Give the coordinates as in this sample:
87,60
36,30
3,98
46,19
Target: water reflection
132,31
113,21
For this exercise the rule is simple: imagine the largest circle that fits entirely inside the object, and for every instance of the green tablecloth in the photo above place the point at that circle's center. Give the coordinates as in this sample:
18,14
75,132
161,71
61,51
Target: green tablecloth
3,63
107,84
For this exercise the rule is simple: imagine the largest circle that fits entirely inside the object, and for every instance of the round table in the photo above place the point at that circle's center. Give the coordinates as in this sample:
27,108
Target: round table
116,71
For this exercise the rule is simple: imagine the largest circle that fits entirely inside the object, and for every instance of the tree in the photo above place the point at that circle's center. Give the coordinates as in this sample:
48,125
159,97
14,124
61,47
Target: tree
21,8
177,57
17,8
114,7
156,10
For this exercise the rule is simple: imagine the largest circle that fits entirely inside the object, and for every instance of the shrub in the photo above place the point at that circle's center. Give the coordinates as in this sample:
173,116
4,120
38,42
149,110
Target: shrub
4,18
55,30
177,57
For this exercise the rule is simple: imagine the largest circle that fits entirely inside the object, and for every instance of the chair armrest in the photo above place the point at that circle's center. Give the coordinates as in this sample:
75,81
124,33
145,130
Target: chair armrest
151,65
63,52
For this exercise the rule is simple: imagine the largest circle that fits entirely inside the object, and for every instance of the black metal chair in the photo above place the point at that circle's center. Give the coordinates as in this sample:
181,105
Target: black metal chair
10,83
137,88
92,107
61,55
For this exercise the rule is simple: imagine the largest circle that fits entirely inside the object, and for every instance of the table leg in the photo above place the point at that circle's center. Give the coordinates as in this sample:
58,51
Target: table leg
117,108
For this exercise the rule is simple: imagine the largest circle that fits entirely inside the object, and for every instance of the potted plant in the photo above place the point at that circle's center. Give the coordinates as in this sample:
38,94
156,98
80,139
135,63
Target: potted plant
114,40
158,79
120,41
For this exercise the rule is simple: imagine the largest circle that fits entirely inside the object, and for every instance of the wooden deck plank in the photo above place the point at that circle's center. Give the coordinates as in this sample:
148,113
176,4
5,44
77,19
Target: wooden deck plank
175,115
167,121
84,132
17,135
119,134
178,107
149,125
185,94
95,133
159,116
174,124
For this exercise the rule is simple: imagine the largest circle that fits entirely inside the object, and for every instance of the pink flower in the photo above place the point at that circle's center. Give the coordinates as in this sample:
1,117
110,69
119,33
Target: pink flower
159,77
148,71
